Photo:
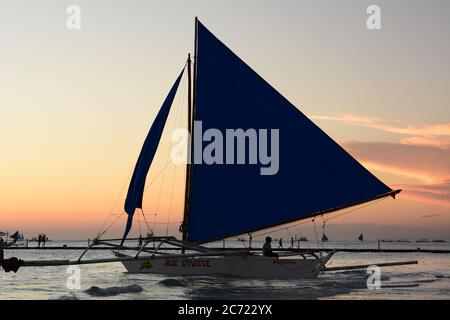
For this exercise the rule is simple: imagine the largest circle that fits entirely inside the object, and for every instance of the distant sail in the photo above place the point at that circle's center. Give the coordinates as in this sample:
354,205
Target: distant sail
137,184
324,238
361,237
16,236
315,174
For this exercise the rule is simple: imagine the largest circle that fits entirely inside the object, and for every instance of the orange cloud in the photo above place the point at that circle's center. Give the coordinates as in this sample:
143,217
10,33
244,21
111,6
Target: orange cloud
429,166
436,135
426,141
438,195
421,175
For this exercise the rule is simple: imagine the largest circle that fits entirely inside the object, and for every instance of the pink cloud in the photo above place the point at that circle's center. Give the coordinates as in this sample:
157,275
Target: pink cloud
426,141
438,194
429,165
422,153
436,135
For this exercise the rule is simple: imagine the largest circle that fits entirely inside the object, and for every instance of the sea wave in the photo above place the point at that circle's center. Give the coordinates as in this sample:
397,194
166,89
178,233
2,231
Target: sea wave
173,283
113,291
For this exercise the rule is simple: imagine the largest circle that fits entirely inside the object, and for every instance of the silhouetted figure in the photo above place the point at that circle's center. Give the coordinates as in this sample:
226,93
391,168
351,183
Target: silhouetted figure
39,240
44,238
140,241
292,242
267,248
280,243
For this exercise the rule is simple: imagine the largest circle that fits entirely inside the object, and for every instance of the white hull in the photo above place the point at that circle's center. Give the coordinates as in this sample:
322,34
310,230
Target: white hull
234,266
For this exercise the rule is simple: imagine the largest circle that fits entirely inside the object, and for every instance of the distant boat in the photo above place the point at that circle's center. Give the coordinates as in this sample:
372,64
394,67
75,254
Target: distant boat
324,238
16,236
4,239
303,239
361,237
438,241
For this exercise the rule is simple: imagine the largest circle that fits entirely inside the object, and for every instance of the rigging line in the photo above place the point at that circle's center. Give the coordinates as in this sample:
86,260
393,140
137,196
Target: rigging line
121,214
112,223
315,232
168,160
174,175
171,200
115,204
280,229
140,230
290,234
330,218
158,174
100,233
146,222
355,209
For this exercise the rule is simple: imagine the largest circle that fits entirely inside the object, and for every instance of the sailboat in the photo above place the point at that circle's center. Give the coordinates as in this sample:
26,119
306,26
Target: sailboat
324,238
3,242
361,237
235,194
16,236
315,177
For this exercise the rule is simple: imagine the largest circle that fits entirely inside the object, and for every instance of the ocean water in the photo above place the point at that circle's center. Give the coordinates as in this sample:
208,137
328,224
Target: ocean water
430,279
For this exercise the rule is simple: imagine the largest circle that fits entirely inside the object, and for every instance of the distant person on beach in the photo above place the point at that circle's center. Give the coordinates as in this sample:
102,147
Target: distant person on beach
267,249
140,241
39,240
280,243
44,238
292,242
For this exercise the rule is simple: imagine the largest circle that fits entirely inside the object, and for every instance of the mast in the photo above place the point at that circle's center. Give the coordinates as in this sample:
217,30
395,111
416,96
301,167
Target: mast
191,117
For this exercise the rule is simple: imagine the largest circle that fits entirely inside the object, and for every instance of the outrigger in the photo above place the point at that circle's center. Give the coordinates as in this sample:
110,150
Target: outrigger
314,176
201,261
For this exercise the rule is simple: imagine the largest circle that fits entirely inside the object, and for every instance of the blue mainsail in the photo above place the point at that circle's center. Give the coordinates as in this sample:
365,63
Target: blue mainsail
136,188
315,174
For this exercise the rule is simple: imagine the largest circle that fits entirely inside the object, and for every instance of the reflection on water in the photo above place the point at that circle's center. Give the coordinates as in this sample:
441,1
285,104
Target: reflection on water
430,279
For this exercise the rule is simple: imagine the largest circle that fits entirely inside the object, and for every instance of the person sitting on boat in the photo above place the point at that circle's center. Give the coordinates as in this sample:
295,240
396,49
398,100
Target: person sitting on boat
267,249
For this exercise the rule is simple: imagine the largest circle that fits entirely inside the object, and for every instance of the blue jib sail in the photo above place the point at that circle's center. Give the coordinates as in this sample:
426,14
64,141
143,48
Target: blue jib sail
136,188
315,174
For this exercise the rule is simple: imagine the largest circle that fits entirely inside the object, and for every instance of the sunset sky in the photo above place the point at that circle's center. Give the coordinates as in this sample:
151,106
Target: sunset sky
75,105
